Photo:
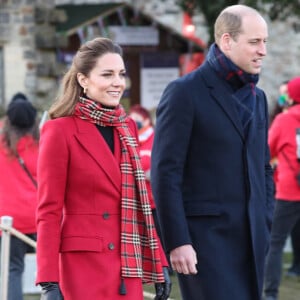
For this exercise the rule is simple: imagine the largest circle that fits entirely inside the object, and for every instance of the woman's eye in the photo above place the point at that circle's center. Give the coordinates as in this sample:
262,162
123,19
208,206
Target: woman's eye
106,75
122,74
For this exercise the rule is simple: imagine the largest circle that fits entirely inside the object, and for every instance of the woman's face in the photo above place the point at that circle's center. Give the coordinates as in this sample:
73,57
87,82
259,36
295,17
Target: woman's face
106,81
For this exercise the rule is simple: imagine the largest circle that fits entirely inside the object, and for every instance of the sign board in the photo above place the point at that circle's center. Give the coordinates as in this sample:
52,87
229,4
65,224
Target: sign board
134,35
157,70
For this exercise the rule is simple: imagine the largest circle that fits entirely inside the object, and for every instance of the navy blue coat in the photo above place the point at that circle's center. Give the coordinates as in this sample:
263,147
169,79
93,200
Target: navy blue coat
213,186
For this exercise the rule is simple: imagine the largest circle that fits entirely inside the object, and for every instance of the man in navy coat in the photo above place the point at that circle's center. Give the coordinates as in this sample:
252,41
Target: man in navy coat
211,177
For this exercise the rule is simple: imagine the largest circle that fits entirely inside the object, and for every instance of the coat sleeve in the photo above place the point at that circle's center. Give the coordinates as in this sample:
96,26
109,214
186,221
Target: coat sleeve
52,177
269,178
172,134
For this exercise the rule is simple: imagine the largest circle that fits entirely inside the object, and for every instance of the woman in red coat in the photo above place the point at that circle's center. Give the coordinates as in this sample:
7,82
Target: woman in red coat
96,237
18,192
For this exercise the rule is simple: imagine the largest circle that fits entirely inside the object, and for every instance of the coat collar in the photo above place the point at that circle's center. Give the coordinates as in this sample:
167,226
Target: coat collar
222,96
91,140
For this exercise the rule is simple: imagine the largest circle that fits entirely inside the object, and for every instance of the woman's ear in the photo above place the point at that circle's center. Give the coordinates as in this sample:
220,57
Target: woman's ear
82,80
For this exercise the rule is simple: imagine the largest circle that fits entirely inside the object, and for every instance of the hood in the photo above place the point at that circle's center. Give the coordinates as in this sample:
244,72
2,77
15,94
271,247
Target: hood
295,111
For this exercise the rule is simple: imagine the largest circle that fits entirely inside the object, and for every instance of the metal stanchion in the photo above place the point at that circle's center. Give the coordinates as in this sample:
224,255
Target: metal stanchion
6,224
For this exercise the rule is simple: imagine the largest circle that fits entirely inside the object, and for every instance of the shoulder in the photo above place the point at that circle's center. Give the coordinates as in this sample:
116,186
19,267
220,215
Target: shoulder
55,129
63,121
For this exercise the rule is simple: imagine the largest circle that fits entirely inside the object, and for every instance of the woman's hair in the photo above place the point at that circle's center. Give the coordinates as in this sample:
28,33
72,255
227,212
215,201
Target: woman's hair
11,134
141,111
83,62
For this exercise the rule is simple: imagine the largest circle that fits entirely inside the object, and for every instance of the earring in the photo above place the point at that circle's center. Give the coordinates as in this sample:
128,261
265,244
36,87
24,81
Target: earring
85,90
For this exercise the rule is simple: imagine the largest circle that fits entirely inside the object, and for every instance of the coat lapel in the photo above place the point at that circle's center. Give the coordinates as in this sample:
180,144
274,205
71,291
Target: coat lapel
95,145
223,98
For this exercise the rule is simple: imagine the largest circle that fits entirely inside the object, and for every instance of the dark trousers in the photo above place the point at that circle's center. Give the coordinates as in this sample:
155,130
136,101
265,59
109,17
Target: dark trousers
286,215
295,239
18,249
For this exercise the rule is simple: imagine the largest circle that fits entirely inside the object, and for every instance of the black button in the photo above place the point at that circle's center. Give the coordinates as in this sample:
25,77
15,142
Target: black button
105,215
111,246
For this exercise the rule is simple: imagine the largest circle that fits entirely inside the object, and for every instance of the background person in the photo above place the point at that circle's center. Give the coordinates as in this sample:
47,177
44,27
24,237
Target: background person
282,105
96,236
18,192
283,145
211,177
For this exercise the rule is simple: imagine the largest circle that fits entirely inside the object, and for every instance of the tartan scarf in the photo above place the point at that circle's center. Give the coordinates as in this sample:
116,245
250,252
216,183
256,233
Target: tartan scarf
140,256
243,84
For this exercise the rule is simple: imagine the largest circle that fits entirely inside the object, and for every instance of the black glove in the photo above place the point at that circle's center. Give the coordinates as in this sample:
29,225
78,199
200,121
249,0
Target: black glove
163,289
50,291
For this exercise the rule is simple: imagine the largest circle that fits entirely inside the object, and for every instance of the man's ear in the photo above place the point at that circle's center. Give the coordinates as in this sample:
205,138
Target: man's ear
225,42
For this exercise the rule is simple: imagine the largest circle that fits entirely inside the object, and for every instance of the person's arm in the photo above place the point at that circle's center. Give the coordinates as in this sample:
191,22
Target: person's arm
269,179
52,174
172,136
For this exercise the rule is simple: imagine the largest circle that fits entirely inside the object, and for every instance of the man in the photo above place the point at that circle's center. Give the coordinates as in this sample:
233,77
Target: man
211,177
284,145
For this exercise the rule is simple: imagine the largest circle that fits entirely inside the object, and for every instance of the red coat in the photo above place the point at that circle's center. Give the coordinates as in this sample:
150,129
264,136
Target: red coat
18,195
282,140
78,214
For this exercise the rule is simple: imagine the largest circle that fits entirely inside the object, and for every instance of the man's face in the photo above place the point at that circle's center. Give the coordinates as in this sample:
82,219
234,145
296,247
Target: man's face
249,47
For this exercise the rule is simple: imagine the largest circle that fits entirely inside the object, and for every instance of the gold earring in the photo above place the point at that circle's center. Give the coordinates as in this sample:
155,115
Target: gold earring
85,90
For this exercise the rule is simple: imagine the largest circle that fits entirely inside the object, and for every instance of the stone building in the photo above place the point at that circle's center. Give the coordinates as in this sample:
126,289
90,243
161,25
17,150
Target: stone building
27,49
29,42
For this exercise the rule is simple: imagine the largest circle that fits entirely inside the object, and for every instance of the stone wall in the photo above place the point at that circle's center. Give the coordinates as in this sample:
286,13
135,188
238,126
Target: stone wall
18,47
28,41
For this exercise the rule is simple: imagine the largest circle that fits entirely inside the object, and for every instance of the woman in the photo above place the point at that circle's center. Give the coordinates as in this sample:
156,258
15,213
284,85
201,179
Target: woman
96,238
18,192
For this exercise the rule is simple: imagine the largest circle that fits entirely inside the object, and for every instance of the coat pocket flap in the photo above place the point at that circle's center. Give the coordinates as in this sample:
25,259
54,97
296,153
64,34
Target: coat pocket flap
79,243
202,209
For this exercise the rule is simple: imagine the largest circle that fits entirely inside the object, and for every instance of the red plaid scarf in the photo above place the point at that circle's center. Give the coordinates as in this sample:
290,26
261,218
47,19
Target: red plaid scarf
140,256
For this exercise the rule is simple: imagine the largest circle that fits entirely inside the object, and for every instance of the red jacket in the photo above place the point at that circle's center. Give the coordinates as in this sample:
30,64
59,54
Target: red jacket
18,195
78,213
282,141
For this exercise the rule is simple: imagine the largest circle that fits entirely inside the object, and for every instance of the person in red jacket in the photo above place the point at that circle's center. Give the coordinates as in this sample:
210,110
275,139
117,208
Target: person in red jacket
18,191
96,237
285,145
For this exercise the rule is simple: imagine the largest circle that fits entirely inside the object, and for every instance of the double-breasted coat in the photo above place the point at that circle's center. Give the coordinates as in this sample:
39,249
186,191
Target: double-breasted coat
78,216
213,185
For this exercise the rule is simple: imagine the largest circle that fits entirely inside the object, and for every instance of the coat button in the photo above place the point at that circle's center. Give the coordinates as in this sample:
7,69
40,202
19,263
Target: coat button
105,215
111,246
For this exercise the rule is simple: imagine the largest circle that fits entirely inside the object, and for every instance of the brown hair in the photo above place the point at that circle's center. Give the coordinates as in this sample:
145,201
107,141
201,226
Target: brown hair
11,134
83,62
